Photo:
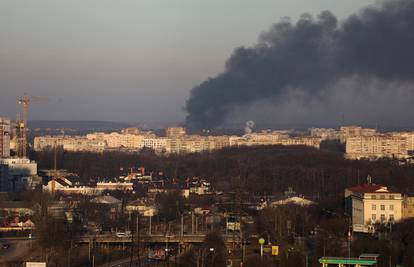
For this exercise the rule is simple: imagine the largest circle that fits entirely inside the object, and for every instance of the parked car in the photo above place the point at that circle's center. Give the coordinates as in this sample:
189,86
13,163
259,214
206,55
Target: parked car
123,234
5,246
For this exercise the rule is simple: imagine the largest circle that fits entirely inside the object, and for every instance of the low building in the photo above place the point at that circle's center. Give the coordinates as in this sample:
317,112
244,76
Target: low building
113,203
370,204
144,208
122,186
295,200
21,174
16,208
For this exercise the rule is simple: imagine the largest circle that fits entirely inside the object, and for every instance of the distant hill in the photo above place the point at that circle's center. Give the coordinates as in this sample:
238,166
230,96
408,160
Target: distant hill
78,125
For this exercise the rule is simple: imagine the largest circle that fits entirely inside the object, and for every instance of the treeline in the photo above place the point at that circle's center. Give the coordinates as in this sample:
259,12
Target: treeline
261,170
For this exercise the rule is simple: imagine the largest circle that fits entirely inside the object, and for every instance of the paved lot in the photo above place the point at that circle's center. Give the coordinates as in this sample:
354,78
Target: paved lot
17,250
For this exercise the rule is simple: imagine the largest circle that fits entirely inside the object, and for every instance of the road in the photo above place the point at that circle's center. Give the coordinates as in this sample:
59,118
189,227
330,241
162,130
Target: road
126,263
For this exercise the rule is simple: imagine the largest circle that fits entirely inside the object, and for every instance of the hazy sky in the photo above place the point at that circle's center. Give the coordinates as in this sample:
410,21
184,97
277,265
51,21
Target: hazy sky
128,60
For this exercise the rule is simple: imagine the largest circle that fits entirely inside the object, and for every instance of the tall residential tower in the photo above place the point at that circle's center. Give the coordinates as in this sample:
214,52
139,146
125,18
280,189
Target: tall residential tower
4,138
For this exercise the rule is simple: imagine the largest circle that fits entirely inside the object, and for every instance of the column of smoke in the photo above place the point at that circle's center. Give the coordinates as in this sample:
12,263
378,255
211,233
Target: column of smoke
248,129
309,56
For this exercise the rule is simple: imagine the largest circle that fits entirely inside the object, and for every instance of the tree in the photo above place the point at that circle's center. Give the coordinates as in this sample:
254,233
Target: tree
170,205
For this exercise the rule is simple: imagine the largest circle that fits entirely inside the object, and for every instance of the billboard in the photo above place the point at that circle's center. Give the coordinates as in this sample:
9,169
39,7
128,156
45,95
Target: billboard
35,264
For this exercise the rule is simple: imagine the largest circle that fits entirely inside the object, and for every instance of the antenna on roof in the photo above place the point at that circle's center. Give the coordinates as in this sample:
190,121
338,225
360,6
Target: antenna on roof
369,179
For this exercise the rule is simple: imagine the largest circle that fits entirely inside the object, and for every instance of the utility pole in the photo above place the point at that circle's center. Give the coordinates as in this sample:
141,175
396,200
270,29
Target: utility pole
150,222
182,225
192,222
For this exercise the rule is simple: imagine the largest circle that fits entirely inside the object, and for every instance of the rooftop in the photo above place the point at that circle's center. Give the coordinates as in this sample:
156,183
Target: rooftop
369,188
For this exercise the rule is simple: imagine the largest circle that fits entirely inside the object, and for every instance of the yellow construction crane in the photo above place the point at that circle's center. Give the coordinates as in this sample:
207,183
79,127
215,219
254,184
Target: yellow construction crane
24,102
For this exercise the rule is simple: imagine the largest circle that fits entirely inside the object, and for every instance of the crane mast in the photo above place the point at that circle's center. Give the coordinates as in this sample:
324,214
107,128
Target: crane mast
23,104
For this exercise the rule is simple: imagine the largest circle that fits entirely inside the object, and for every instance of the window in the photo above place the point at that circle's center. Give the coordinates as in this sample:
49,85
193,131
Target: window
374,207
382,196
382,207
373,197
374,217
391,207
382,217
391,217
392,197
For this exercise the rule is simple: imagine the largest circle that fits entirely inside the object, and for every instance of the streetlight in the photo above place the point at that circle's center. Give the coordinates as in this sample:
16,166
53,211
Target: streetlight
212,250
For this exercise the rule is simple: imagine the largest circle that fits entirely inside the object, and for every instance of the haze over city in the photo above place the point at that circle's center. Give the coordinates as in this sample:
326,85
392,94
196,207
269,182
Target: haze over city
137,61
184,133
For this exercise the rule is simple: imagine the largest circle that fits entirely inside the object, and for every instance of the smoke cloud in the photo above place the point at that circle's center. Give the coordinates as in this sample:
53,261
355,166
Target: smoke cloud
307,58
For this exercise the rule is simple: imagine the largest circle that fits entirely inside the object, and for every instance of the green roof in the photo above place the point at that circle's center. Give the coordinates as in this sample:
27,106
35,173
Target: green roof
364,262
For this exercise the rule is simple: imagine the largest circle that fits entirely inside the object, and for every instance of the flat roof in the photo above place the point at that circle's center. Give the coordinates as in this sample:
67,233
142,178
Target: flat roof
334,260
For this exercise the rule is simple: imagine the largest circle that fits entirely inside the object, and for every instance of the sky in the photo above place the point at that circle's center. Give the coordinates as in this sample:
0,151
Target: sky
128,60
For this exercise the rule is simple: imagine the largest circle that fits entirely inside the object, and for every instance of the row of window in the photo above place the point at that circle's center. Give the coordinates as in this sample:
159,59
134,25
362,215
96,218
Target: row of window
382,196
382,207
382,218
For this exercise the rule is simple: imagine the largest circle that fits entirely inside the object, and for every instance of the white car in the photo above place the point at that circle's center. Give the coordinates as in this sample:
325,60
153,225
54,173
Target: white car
123,234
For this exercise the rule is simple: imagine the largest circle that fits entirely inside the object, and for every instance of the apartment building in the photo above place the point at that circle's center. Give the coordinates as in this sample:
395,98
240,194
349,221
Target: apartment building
158,144
346,132
69,143
409,140
119,140
370,203
325,133
276,139
4,138
174,132
408,207
376,146
177,141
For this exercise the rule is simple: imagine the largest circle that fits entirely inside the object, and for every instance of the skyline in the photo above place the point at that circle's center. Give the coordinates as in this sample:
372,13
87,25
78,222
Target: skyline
132,61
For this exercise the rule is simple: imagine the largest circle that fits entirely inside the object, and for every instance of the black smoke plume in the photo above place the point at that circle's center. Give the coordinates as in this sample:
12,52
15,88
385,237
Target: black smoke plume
310,55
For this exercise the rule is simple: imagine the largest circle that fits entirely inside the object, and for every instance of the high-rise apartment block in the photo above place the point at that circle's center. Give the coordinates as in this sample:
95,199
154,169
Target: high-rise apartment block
173,132
324,133
376,146
346,132
4,138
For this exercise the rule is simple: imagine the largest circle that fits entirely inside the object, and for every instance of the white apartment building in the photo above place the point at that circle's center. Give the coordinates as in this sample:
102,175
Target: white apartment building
346,132
173,132
158,144
409,139
119,140
377,146
177,142
275,140
302,141
4,138
69,143
325,133
371,203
